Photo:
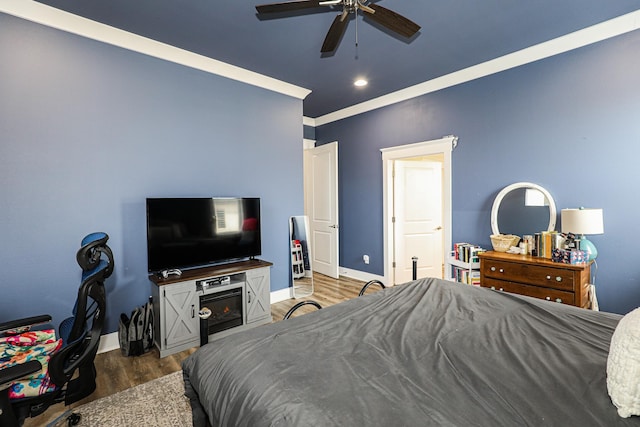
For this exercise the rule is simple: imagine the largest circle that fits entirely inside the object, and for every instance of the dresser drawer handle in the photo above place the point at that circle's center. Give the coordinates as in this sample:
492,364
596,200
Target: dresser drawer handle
548,298
559,300
501,290
548,277
558,279
493,288
493,269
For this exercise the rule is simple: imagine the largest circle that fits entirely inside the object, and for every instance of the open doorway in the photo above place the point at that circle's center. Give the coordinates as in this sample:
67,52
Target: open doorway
417,208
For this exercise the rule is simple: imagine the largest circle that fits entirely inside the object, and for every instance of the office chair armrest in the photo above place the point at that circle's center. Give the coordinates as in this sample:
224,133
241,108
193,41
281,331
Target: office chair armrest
15,372
23,325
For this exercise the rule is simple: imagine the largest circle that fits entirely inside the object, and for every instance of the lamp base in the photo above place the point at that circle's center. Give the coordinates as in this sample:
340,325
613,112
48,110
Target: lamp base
588,247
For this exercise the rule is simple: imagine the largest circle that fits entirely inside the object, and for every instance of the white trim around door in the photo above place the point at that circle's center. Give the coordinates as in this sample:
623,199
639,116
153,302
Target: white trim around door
442,146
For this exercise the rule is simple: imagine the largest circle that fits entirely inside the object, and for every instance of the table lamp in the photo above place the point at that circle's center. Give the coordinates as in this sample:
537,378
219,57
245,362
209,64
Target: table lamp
583,221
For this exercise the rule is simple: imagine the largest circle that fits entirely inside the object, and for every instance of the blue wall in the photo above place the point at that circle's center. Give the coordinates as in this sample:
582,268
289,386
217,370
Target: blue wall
546,122
88,131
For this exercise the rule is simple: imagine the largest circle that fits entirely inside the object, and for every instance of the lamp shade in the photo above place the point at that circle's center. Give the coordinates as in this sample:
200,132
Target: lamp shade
582,221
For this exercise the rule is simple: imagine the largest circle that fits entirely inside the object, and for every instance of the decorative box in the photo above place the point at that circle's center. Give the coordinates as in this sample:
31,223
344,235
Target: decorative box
569,256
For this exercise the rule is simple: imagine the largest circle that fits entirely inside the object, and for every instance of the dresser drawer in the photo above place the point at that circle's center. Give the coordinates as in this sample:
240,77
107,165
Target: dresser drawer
532,291
549,277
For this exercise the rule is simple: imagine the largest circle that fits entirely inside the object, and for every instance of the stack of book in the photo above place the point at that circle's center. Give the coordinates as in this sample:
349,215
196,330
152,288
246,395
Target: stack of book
545,242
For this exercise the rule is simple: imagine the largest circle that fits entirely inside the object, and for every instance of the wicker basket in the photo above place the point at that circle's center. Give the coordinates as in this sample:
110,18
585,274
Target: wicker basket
502,242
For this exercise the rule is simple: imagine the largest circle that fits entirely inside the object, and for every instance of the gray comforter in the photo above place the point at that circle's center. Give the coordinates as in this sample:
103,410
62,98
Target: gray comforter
427,353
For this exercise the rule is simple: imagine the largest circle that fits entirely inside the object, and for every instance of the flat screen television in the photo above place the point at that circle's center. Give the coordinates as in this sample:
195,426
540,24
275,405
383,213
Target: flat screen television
194,232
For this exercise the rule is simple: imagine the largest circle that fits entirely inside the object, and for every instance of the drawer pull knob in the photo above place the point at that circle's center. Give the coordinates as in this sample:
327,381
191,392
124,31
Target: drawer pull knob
558,279
493,269
493,288
501,270
559,300
548,277
548,298
501,290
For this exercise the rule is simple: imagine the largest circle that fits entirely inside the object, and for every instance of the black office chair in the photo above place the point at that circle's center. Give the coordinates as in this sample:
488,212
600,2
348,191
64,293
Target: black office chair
71,371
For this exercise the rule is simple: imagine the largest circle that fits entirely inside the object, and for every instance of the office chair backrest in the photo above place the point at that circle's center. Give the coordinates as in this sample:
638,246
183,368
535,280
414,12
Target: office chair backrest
81,333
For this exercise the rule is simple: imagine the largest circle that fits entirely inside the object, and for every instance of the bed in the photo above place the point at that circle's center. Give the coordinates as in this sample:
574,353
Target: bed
426,353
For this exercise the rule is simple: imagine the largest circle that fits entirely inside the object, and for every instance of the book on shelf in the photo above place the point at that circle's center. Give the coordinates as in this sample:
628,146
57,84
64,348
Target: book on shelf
464,275
467,252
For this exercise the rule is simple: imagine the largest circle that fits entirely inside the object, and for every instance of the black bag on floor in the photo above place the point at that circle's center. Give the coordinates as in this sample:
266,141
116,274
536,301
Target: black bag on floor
135,333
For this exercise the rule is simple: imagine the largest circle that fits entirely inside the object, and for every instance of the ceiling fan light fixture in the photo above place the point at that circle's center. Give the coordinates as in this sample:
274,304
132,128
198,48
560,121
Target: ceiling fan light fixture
386,18
360,82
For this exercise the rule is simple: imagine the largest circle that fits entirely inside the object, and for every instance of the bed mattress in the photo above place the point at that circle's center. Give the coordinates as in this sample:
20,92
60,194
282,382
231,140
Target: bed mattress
426,353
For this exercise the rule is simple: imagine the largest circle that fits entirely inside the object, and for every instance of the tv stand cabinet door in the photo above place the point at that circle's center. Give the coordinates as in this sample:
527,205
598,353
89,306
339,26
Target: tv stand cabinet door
258,295
180,321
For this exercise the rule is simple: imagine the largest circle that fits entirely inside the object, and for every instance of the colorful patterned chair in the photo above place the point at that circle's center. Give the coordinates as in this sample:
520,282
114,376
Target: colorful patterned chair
36,369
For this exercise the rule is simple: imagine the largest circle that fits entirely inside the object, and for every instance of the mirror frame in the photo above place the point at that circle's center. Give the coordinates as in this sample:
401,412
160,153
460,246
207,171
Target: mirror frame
305,290
496,204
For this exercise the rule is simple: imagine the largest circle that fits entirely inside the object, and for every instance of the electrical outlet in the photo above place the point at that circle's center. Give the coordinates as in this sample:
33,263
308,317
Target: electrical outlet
365,258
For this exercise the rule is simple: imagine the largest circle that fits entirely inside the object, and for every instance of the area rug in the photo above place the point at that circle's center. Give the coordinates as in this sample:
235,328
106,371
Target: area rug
158,403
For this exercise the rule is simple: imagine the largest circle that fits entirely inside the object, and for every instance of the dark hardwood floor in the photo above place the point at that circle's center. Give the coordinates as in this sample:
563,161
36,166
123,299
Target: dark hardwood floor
117,373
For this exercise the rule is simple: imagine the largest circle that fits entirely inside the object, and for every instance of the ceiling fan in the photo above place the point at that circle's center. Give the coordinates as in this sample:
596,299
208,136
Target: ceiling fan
383,16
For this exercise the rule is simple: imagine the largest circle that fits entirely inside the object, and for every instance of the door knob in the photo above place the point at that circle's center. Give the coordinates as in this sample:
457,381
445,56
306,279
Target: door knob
333,226
438,228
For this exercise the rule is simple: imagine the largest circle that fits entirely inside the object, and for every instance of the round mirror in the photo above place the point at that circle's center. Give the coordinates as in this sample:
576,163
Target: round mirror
523,208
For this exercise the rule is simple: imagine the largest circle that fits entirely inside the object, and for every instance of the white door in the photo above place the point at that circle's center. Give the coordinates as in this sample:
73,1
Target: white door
417,219
323,208
442,150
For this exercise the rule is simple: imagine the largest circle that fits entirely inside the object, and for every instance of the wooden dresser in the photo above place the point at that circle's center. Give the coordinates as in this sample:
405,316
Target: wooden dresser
536,277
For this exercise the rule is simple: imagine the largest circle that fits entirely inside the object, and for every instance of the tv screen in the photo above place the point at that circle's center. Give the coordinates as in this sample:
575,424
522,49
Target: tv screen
193,232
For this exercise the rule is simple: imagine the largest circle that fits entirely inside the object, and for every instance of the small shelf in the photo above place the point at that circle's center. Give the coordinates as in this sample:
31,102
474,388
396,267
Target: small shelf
461,271
473,265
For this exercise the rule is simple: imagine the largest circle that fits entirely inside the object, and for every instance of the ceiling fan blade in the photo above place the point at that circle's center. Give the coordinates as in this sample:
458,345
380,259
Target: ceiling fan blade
287,6
393,21
336,31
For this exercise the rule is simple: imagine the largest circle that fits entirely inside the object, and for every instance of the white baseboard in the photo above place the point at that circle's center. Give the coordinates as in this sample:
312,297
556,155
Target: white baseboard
360,275
281,295
109,342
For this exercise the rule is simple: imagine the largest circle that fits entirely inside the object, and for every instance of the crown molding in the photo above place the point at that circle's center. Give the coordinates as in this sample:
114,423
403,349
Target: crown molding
593,34
55,18
74,24
308,121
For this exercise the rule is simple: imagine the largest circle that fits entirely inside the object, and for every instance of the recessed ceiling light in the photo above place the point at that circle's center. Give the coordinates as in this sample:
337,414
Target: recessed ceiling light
360,82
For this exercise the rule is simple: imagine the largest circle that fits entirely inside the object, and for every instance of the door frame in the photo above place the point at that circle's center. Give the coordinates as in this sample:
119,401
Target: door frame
442,146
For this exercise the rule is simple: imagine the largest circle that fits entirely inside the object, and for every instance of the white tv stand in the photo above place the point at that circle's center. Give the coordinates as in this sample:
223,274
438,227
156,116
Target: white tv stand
176,302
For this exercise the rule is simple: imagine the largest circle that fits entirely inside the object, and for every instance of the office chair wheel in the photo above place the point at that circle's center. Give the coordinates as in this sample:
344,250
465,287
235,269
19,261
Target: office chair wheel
73,419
